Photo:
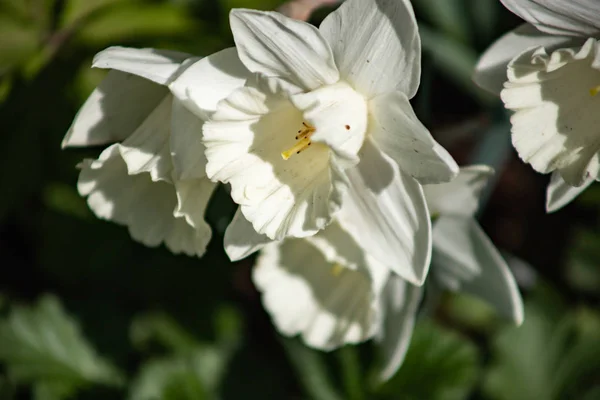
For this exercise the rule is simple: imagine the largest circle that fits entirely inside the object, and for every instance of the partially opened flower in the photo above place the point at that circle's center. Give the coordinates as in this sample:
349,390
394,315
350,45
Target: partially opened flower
323,288
331,292
551,76
285,142
153,179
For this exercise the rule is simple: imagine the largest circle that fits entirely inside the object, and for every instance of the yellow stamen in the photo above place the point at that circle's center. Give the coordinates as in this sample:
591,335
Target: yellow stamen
595,90
297,148
303,141
336,270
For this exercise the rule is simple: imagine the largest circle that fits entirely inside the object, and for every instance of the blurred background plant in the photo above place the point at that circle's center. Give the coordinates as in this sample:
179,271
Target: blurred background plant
87,313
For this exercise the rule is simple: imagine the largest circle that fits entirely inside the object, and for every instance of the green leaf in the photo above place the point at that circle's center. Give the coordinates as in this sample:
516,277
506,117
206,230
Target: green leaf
38,12
176,378
455,60
484,14
42,345
470,311
196,369
352,374
546,358
439,365
448,16
7,390
266,5
132,22
523,361
6,84
76,10
18,42
64,198
163,329
581,361
229,327
53,390
311,370
582,270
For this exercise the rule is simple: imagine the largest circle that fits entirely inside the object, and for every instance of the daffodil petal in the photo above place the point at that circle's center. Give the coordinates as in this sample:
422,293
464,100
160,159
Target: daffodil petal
400,301
493,282
555,124
278,46
147,149
244,143
376,45
185,143
193,196
385,212
461,195
339,247
559,17
399,133
559,193
490,71
136,201
327,305
241,239
496,284
453,249
114,110
209,80
338,115
159,66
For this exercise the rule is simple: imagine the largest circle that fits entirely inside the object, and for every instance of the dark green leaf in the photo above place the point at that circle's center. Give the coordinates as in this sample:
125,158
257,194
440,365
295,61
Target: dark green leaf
18,42
454,59
131,22
311,370
439,365
175,378
44,346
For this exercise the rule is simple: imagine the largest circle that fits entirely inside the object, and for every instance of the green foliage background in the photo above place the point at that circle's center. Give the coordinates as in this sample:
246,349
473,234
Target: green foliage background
86,313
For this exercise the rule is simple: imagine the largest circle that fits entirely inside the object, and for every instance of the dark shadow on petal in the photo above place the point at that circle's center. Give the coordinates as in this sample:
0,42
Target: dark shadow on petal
127,99
371,158
120,92
566,88
340,291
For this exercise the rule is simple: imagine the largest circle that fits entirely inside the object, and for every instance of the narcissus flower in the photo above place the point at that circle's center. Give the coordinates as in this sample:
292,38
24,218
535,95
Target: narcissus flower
387,225
323,288
550,72
329,291
292,141
153,179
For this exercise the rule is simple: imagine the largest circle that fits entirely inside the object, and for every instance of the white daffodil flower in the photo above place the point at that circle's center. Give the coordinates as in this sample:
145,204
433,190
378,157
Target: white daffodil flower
153,179
464,259
286,141
324,288
550,72
386,225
